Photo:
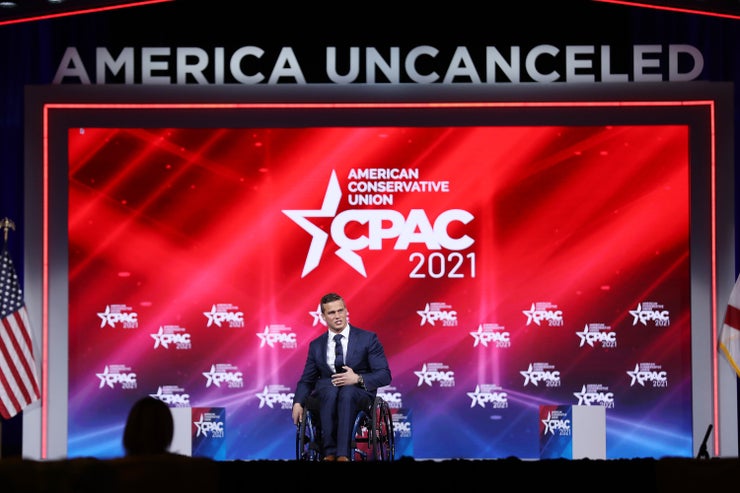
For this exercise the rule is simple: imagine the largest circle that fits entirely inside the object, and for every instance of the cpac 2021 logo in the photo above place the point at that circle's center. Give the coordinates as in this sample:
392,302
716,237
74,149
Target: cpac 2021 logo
386,224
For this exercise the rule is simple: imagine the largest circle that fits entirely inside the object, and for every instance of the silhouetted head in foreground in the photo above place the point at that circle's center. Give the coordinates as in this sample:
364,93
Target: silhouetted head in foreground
149,428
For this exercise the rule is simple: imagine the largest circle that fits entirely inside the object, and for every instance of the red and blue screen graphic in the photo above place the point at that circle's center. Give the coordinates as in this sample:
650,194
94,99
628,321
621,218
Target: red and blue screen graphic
504,268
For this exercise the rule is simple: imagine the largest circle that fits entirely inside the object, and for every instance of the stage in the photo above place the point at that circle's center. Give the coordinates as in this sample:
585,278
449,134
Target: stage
180,473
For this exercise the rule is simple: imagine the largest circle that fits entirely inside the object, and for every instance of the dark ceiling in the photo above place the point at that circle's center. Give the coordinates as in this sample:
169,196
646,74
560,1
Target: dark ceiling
722,8
16,11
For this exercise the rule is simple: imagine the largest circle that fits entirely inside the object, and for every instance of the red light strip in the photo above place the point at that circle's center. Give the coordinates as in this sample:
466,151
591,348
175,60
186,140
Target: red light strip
672,9
297,106
45,292
68,13
713,220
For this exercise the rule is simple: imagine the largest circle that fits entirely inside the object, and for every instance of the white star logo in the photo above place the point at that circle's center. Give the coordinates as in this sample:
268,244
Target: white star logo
634,374
264,398
424,314
584,337
582,397
210,375
159,340
477,397
106,378
550,425
265,338
328,209
317,318
212,319
159,395
636,314
104,317
527,374
477,336
530,315
424,376
201,425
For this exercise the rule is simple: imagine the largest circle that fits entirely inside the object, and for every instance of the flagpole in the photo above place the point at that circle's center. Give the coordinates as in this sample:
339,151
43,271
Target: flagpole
5,224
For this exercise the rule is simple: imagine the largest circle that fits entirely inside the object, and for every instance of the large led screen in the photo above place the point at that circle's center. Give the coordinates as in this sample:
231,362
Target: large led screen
508,258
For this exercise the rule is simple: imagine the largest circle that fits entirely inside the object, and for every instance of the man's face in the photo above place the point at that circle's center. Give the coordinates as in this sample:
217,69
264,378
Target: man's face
335,315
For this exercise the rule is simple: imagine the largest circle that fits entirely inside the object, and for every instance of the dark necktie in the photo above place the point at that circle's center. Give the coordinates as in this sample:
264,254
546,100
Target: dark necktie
338,354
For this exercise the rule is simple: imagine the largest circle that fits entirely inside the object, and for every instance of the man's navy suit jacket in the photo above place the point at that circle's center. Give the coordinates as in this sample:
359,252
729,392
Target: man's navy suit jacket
365,355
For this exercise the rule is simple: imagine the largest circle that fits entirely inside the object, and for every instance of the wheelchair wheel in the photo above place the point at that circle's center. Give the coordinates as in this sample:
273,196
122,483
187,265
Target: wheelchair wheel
360,444
307,447
382,442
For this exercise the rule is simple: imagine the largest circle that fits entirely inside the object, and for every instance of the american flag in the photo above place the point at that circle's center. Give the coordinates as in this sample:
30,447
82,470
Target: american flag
729,339
19,384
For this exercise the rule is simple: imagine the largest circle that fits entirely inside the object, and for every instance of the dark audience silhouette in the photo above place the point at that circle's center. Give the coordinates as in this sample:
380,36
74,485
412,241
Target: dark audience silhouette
149,428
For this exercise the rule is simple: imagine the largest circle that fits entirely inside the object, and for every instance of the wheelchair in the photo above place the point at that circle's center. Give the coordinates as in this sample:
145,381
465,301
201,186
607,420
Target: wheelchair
372,435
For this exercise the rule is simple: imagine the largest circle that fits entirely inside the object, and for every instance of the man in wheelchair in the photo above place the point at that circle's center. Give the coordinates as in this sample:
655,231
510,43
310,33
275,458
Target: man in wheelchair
344,368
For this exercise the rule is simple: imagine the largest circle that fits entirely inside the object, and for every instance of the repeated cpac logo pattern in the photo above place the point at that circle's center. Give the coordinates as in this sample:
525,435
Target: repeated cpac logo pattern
434,314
